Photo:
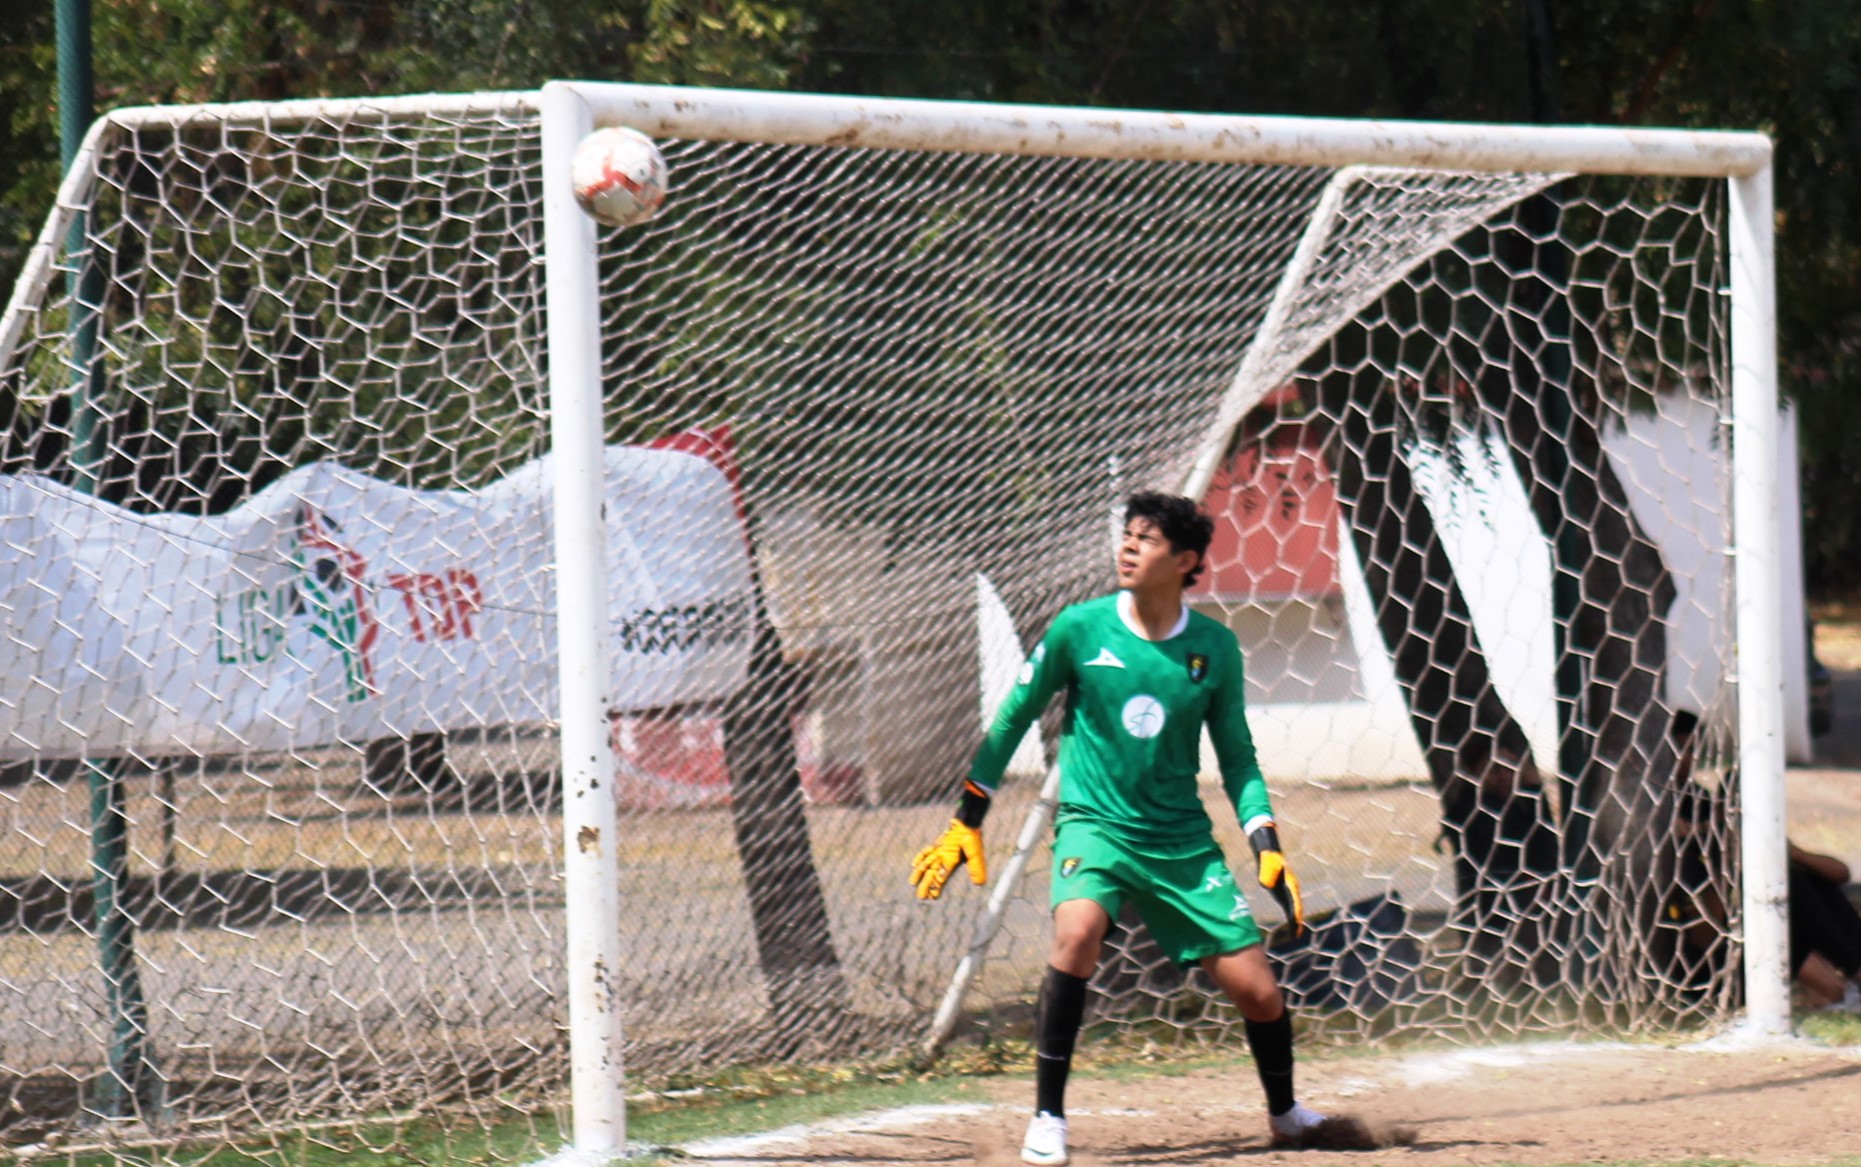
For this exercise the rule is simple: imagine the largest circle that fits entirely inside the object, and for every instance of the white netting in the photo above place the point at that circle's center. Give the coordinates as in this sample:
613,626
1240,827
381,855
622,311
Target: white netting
281,570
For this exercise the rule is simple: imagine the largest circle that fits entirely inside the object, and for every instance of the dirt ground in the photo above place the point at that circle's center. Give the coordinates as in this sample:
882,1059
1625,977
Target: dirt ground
1722,1100
1555,1103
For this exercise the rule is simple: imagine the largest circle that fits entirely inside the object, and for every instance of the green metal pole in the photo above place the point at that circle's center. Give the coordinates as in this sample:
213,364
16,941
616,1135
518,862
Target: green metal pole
75,113
131,1084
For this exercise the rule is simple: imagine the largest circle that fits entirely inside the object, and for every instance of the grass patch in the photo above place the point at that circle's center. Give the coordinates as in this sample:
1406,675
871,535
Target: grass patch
753,1100
726,1116
744,1101
408,1143
1842,1029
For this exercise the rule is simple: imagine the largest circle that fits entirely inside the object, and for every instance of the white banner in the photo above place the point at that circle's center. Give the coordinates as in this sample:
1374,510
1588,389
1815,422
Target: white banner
334,607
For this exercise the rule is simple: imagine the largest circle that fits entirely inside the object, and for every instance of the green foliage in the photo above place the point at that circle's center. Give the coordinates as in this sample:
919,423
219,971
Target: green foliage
754,44
1791,67
28,129
1410,58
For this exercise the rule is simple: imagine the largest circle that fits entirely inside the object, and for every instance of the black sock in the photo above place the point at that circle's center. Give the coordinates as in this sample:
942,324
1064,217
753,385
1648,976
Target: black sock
1271,1042
1056,1027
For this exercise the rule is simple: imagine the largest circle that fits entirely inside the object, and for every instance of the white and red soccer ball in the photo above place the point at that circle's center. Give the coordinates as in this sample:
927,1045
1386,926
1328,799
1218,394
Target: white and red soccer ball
619,175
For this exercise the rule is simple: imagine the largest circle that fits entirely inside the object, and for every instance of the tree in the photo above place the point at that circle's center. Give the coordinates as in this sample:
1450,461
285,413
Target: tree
1495,819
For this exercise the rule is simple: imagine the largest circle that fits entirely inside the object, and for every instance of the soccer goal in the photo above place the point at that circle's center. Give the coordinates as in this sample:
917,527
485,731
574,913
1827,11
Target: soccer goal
462,659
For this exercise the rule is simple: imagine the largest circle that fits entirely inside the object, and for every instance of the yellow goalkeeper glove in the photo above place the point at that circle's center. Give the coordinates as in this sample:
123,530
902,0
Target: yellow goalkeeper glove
936,863
1275,876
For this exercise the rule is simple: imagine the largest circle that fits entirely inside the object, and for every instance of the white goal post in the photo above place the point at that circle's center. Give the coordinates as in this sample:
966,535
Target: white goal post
362,579
572,109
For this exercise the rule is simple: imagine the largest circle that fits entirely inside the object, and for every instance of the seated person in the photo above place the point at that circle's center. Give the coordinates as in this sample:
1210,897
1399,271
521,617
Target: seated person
1825,929
1825,932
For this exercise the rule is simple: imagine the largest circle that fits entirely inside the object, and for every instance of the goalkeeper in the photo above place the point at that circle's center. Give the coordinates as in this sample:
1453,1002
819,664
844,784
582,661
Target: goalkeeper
1142,674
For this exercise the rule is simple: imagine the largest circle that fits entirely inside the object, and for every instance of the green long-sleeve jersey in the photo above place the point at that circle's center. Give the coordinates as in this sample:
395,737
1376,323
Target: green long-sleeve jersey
1131,742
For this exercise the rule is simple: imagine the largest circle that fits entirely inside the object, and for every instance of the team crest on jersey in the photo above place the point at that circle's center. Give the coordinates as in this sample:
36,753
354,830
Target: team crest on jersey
1068,866
1198,667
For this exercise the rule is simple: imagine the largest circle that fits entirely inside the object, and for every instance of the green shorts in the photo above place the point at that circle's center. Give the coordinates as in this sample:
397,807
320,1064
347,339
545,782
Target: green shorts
1186,895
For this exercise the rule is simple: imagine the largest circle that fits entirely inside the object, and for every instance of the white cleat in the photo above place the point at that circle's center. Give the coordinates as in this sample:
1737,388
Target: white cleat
1046,1141
1297,1126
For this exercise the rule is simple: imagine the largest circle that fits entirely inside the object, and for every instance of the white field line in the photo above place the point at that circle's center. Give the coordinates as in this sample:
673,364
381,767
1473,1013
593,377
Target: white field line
901,1118
1434,1068
1427,1069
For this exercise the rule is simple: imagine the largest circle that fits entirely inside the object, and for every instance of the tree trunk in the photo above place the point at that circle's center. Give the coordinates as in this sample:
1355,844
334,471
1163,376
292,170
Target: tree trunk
1611,595
1494,818
794,940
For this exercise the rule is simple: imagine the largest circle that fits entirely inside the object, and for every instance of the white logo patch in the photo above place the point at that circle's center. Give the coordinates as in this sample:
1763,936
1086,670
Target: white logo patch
1105,660
1143,716
1240,909
1027,669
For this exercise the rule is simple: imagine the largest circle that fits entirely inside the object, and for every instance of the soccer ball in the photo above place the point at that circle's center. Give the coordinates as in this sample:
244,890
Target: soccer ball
619,176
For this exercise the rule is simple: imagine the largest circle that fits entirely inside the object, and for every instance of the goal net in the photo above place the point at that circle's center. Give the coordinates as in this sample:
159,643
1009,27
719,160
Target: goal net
284,802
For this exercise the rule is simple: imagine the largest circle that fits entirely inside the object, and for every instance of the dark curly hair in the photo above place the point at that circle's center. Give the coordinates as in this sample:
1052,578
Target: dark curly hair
1177,519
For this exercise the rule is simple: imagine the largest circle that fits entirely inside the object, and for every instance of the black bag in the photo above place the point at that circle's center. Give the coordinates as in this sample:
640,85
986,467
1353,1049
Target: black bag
1359,958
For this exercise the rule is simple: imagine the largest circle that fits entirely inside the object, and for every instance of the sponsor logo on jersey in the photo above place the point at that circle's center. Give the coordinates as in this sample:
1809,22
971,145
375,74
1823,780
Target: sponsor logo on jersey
1240,909
1198,667
1068,866
1143,716
1106,659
